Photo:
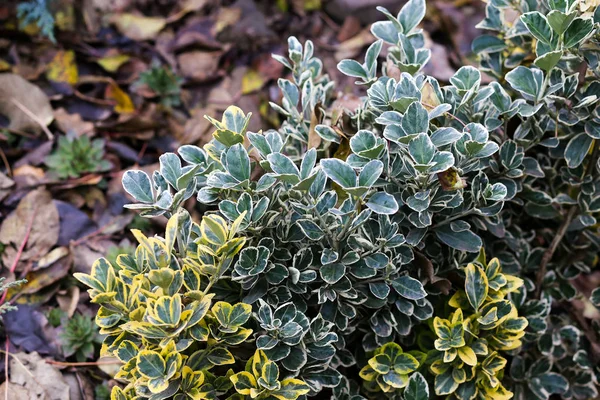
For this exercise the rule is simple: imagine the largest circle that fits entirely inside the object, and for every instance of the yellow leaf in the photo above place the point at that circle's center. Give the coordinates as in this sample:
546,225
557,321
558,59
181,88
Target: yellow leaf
138,27
123,103
112,63
252,81
429,97
467,355
62,68
4,66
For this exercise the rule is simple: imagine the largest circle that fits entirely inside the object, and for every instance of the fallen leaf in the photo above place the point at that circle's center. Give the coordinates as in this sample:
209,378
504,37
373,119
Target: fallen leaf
199,65
16,90
38,207
62,68
40,380
227,16
72,123
351,47
123,103
5,184
198,129
252,81
138,27
112,63
40,279
5,66
25,328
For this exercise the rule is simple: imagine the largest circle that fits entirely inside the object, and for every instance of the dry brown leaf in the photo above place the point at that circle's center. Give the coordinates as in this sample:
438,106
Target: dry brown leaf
36,206
13,88
72,123
199,65
32,378
138,27
5,186
198,129
351,47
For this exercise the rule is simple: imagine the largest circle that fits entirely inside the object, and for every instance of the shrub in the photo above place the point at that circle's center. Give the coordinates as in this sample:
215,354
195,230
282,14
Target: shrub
342,254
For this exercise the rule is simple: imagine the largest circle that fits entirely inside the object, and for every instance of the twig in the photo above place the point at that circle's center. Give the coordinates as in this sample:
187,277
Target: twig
6,164
550,251
7,346
33,117
454,117
561,231
83,364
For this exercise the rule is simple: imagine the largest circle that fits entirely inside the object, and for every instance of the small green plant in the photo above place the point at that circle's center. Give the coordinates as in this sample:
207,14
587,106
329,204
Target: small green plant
77,155
164,83
80,337
38,12
56,316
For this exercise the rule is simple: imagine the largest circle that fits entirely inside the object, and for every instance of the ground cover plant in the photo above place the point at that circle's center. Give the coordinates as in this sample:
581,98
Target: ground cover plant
426,241
352,240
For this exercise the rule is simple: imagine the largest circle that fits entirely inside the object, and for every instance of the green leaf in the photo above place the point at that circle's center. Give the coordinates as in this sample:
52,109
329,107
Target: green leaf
244,382
422,149
220,356
170,168
291,389
284,167
417,388
310,229
462,240
579,29
395,379
466,78
339,171
138,185
370,173
476,285
445,383
411,14
560,21
538,25
332,273
548,60
383,203
237,162
405,364
352,68
547,384
577,149
408,287
487,44
150,364
527,81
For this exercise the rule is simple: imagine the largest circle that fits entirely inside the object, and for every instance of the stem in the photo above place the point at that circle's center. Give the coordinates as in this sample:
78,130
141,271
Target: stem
83,364
561,231
550,251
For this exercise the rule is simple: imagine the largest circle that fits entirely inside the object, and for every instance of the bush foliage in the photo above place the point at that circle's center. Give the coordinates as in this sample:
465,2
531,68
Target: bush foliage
342,255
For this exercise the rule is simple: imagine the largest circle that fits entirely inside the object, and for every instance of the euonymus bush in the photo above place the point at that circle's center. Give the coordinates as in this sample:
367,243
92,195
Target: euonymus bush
342,255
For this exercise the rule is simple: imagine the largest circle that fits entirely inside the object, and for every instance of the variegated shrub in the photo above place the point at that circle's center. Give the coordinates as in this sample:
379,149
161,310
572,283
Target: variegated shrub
341,255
